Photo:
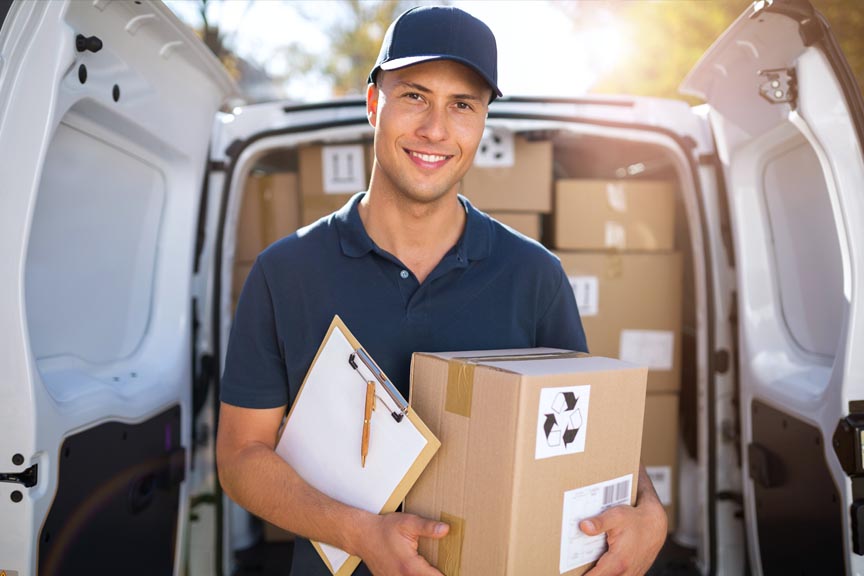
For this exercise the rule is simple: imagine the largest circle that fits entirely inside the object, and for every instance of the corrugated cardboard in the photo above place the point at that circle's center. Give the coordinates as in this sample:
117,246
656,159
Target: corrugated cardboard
625,215
631,309
238,279
526,186
316,202
528,223
249,239
504,505
660,449
270,210
280,205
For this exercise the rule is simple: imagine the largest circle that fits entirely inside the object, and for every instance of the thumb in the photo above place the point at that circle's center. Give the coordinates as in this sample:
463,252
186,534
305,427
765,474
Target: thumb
431,528
592,526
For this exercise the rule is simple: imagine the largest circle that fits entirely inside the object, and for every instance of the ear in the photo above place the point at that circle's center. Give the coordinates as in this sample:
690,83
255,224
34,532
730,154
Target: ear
372,104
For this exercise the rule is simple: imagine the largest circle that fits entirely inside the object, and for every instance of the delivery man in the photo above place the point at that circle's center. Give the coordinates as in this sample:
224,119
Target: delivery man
410,266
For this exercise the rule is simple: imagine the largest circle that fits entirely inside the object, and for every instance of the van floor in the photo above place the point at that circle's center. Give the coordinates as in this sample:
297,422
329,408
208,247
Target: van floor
271,559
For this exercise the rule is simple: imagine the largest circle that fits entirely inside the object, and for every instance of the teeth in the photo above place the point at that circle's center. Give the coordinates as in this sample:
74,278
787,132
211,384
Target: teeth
428,157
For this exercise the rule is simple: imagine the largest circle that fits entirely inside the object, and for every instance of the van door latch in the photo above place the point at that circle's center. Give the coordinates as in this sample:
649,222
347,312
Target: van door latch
780,86
28,477
848,444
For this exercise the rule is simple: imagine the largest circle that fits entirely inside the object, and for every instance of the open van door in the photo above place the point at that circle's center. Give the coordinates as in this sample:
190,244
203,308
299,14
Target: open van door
789,125
105,115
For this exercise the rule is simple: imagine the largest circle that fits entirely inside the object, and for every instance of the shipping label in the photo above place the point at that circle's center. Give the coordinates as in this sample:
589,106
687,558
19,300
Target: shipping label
587,292
344,169
577,548
497,149
562,421
661,477
653,349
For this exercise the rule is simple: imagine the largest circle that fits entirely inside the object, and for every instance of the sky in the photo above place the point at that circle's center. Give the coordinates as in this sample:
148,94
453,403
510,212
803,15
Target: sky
539,52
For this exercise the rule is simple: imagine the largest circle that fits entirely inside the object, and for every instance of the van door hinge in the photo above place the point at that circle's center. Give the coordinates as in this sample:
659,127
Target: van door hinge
28,477
780,86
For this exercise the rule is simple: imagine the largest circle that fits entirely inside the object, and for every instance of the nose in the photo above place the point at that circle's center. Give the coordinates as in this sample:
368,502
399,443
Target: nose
434,126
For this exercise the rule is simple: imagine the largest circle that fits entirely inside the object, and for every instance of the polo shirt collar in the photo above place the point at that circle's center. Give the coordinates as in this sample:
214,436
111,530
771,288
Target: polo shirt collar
474,244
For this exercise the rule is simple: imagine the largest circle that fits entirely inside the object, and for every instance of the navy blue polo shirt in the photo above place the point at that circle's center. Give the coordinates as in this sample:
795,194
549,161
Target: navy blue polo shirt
494,289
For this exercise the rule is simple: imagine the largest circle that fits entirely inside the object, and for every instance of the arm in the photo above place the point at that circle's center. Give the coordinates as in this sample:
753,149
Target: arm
634,535
257,478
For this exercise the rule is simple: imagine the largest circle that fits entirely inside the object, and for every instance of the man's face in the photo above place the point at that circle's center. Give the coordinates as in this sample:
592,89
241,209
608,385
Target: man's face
428,121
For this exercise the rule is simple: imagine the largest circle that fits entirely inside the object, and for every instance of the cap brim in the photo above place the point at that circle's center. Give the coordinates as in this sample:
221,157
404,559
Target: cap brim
398,63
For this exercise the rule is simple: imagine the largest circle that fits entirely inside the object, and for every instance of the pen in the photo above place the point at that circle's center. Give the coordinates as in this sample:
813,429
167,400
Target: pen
367,421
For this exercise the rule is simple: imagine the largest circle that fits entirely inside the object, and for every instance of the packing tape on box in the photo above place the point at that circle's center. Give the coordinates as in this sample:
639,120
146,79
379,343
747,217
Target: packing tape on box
460,388
450,547
614,265
460,377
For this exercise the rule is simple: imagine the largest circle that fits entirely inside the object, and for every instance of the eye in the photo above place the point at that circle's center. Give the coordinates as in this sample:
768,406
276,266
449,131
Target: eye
412,96
464,106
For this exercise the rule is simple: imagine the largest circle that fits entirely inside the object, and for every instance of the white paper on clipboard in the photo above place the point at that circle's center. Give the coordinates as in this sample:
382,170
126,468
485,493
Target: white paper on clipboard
322,437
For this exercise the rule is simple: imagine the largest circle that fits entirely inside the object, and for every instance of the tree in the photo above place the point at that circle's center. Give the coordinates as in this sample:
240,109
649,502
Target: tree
355,38
670,36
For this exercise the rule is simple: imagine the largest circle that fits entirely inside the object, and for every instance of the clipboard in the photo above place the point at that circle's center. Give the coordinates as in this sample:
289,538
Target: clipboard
321,438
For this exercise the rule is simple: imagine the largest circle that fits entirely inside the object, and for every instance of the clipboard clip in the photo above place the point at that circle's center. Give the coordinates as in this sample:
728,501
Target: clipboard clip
395,395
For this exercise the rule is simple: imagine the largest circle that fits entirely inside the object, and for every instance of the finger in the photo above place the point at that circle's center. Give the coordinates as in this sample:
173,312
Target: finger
604,522
429,528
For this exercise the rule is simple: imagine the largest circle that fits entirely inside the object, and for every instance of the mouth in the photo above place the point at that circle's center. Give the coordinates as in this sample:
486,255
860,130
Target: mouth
427,160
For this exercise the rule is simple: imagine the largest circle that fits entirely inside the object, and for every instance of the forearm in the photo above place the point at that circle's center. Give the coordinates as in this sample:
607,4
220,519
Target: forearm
264,484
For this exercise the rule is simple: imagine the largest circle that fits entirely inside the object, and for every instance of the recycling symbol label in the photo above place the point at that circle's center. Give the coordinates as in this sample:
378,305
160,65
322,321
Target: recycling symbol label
562,421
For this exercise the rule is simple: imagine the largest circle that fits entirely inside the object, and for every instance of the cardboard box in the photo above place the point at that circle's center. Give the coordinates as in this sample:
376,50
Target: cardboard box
631,309
238,279
526,437
249,239
625,215
280,205
525,186
270,210
331,174
660,450
528,223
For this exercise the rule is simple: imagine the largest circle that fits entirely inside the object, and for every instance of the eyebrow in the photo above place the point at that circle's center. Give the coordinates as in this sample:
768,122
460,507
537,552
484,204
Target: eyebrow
425,90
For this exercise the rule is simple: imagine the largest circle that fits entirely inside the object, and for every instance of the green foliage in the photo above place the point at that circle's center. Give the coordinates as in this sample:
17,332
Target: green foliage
667,37
356,41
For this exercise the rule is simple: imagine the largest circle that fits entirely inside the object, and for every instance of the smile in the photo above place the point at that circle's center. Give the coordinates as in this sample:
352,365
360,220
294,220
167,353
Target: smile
428,158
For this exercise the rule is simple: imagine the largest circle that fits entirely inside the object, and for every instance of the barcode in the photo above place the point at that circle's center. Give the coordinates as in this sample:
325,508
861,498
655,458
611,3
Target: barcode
618,493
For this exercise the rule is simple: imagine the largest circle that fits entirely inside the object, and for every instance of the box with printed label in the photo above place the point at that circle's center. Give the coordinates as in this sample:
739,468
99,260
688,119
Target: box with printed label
614,214
521,183
527,223
630,306
660,450
532,442
330,174
270,209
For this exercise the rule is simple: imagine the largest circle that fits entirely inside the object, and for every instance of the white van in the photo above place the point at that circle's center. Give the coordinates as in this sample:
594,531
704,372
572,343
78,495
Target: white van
121,192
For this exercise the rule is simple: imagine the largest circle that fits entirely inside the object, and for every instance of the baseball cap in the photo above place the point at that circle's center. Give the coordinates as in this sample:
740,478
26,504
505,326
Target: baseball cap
427,33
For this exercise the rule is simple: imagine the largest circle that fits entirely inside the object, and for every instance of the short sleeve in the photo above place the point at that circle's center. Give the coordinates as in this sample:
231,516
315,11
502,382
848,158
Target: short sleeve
255,375
561,326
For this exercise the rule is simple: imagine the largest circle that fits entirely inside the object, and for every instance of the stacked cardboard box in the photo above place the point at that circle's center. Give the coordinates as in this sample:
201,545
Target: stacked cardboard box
532,442
616,241
517,190
270,210
330,175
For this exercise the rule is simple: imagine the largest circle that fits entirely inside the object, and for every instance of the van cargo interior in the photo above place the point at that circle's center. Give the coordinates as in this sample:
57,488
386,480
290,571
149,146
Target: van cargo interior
643,271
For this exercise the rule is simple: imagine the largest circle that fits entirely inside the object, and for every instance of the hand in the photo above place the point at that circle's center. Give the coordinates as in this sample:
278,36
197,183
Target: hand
390,545
634,535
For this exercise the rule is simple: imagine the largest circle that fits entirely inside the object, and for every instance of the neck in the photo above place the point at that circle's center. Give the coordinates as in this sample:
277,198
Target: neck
419,234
